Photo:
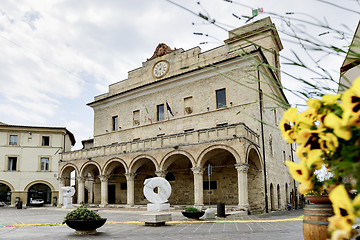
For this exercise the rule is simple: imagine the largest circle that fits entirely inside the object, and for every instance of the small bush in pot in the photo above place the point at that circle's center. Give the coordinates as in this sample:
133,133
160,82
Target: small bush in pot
192,212
84,220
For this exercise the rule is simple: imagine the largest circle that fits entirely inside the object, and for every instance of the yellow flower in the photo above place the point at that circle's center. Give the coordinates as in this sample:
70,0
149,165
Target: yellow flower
287,131
341,227
314,159
332,121
351,104
306,186
314,103
328,142
291,115
299,172
341,202
330,99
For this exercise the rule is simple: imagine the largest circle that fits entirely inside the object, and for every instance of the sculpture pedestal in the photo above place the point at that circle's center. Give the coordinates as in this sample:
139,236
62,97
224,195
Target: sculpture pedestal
158,207
67,202
156,219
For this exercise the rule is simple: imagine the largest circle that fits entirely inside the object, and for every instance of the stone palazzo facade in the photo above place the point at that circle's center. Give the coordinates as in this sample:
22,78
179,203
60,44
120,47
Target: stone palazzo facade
183,111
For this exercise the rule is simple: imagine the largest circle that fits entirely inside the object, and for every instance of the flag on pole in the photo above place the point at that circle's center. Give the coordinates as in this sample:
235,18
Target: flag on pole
169,109
148,114
256,12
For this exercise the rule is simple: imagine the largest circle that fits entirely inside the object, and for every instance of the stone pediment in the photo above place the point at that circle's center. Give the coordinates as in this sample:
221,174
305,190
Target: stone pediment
161,50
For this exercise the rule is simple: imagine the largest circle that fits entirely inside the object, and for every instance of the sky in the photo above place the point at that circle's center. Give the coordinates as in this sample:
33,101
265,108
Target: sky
57,55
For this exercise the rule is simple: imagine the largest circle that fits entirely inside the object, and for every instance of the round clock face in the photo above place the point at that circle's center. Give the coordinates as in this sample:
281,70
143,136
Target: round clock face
160,69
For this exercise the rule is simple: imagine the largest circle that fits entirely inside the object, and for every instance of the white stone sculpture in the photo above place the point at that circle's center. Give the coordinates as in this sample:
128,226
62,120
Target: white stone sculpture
67,193
158,199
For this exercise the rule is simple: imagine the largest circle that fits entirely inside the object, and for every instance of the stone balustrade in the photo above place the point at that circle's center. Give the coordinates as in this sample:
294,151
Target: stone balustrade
239,130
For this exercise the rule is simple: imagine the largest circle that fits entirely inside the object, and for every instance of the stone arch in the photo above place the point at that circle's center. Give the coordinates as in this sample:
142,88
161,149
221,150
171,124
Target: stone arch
177,165
255,177
164,164
39,181
201,160
88,163
136,162
39,189
115,169
64,169
89,173
8,184
5,192
223,159
252,149
143,166
107,165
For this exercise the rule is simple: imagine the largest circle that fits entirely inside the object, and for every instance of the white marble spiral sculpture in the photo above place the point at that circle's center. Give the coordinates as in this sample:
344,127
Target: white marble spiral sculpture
68,193
163,193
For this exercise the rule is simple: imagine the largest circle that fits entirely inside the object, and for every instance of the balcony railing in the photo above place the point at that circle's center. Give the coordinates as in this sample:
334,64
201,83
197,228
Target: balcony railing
239,130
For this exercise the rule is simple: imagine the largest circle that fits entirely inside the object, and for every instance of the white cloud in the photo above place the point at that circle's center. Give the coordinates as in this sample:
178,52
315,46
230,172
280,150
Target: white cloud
61,52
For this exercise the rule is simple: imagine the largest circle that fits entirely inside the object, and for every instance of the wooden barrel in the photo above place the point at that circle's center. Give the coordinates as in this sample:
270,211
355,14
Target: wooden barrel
315,222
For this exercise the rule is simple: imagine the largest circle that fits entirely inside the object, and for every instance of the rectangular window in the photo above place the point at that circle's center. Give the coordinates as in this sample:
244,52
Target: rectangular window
12,161
160,112
136,118
45,141
115,123
213,185
44,164
220,98
13,140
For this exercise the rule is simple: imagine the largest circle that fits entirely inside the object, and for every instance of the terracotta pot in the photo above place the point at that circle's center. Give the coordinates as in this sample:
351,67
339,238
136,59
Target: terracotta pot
315,221
323,199
85,226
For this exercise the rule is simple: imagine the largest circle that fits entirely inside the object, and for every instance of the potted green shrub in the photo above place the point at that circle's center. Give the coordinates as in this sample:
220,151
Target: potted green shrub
84,220
193,213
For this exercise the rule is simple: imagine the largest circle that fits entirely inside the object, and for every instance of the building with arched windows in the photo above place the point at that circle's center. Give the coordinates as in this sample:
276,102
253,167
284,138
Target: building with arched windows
183,111
29,160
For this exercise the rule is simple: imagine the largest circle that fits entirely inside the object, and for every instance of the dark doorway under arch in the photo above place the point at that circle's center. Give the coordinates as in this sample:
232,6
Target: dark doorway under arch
5,194
40,191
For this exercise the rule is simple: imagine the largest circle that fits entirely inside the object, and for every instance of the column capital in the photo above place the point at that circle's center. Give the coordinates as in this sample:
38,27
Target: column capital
104,178
130,176
197,170
160,173
80,179
242,167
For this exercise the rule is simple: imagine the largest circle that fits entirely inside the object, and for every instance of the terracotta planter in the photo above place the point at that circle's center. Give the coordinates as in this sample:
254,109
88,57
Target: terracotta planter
194,215
323,199
315,221
85,226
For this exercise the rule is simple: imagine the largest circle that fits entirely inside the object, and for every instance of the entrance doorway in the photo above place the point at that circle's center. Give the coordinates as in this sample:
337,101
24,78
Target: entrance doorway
111,194
39,191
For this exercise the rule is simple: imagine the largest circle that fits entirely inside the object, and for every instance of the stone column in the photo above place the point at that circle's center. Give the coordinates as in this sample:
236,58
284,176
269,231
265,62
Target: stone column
104,190
160,173
61,198
242,169
81,190
130,178
198,186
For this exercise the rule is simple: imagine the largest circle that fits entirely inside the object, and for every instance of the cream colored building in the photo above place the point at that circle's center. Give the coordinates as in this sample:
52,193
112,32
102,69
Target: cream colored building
182,111
350,68
29,160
